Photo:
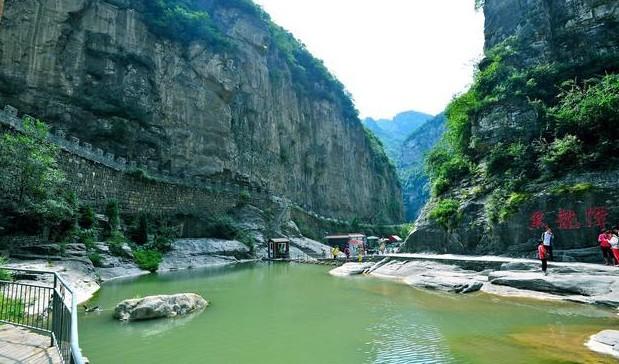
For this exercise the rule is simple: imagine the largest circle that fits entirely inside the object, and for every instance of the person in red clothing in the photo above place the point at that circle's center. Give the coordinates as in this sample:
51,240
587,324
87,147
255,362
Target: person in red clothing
604,240
542,254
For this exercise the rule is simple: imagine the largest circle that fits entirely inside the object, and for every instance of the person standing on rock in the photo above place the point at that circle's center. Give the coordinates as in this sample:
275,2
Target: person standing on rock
542,254
335,251
614,245
547,240
604,240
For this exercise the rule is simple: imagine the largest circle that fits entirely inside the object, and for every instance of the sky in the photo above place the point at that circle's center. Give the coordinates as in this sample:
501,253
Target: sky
392,55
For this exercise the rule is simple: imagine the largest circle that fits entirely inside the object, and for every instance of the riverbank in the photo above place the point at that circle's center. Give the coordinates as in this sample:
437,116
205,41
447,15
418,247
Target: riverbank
86,279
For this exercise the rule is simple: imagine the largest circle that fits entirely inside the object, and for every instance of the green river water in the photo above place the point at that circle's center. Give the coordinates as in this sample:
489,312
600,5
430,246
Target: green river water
291,313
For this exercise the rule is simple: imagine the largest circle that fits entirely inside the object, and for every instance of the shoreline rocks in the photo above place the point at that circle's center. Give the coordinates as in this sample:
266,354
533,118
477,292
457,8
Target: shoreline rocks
581,283
350,269
605,342
198,253
162,306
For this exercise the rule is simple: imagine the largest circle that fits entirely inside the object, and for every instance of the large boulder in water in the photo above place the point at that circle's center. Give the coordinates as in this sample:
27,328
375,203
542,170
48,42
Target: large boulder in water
154,307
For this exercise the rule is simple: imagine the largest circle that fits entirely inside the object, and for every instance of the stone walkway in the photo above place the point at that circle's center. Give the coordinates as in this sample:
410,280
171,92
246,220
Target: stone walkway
21,346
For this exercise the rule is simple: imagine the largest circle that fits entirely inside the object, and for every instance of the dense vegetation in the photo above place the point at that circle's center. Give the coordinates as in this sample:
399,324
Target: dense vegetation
31,185
577,120
378,148
182,20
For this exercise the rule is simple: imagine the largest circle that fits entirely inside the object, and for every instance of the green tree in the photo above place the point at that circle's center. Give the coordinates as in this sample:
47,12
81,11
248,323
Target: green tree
31,183
112,212
30,173
139,235
86,217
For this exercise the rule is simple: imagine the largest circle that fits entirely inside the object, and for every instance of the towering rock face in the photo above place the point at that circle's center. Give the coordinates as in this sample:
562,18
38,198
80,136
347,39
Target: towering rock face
96,69
571,31
503,203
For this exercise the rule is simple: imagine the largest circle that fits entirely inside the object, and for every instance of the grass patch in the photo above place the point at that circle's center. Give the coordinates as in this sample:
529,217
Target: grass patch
147,259
96,259
512,204
445,213
5,275
12,308
575,189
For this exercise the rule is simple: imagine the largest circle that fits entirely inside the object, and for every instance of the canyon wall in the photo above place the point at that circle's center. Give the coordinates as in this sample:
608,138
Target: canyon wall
96,69
536,52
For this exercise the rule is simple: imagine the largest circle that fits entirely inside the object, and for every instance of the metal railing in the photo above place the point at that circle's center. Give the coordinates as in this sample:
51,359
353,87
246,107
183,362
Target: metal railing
46,304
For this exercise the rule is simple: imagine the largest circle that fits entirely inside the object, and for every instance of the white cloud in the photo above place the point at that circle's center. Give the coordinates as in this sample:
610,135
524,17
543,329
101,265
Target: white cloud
392,55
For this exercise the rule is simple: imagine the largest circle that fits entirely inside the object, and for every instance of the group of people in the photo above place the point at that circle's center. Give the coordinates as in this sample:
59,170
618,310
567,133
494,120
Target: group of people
609,243
608,239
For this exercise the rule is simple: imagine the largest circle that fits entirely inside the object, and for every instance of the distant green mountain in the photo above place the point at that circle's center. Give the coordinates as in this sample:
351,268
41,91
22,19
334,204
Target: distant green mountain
393,132
415,182
407,138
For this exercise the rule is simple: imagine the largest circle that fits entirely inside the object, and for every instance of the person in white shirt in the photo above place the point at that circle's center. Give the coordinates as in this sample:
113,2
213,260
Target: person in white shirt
547,240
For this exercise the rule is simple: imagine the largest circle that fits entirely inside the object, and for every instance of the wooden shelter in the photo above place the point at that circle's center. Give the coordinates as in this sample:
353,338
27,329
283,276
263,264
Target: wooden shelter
279,248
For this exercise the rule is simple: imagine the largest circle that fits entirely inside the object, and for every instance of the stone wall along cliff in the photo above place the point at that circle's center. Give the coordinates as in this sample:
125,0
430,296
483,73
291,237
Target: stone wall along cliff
98,177
95,69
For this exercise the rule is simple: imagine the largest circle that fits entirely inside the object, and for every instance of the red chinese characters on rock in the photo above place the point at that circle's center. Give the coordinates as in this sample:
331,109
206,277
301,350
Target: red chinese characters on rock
596,217
537,220
567,220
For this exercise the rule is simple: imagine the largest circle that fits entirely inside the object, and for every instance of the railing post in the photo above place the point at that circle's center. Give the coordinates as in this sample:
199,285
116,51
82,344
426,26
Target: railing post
53,310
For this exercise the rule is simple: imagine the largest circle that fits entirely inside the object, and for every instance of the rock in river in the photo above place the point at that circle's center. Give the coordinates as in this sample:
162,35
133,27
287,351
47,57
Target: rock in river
350,269
154,307
605,342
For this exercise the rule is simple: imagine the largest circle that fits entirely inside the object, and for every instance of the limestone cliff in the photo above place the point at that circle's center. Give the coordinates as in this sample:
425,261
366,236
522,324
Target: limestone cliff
100,71
519,164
